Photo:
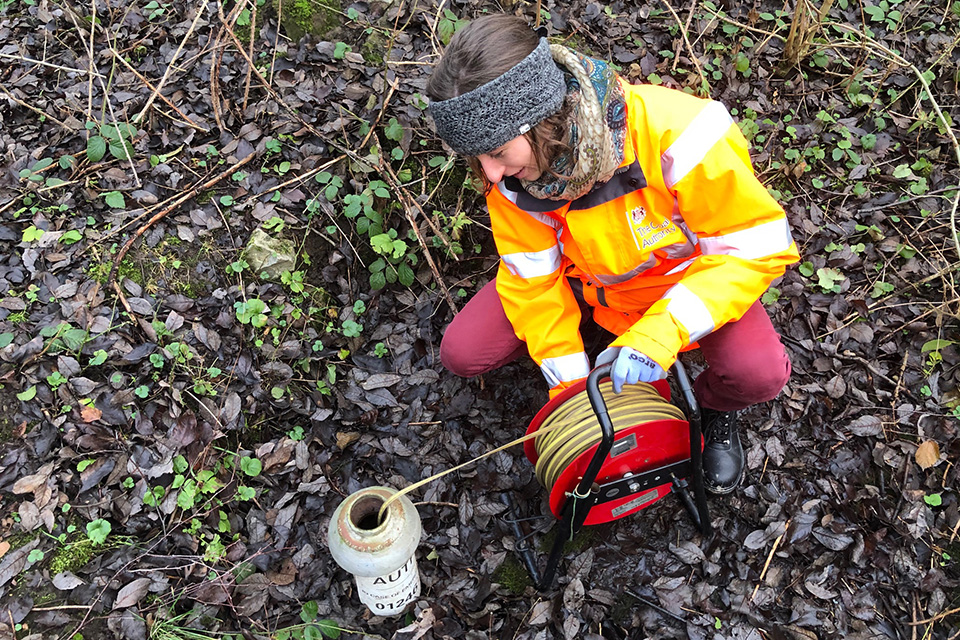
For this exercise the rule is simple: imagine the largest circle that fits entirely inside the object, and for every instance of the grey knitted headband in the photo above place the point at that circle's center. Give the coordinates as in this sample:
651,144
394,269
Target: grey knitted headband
495,113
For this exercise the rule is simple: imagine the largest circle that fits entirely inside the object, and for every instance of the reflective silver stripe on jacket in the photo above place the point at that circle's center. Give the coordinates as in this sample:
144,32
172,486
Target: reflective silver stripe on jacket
608,280
687,151
533,264
565,368
689,311
756,242
540,217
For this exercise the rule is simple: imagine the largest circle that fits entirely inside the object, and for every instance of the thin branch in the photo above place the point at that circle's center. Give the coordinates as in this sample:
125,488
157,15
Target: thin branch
186,119
246,84
693,56
160,215
387,171
90,58
47,64
176,54
276,41
42,114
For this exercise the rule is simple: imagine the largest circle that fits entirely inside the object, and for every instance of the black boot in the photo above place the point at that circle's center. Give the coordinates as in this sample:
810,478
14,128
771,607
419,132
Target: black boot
722,453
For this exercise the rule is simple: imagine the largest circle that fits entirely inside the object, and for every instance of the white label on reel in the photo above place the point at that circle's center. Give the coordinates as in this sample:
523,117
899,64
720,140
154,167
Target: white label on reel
389,595
623,445
633,504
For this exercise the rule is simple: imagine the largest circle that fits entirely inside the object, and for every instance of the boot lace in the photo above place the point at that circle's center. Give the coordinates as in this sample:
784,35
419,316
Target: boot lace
718,425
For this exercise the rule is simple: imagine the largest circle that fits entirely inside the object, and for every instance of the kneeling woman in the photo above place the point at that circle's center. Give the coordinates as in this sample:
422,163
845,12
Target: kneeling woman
635,203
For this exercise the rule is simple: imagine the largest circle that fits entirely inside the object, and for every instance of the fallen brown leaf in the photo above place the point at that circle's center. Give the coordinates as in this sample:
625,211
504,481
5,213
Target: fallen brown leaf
90,414
928,454
346,438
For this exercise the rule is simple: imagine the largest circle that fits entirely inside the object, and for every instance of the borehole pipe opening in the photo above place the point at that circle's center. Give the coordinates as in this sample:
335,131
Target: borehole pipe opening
365,513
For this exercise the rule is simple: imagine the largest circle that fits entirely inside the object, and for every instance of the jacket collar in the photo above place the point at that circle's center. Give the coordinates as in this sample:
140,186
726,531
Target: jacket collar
629,177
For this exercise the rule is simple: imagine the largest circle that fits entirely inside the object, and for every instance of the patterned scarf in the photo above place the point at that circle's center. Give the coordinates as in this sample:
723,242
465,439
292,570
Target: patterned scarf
598,129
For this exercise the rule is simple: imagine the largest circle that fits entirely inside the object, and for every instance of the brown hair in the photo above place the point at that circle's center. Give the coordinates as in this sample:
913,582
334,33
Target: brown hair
482,51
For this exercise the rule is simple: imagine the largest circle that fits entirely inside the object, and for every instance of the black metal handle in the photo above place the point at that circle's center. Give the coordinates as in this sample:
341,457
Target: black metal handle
701,515
606,428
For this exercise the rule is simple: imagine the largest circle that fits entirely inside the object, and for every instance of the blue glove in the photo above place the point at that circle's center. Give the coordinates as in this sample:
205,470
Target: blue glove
632,367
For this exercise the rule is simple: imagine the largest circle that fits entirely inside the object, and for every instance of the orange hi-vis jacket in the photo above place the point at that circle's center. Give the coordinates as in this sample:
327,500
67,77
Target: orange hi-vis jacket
681,240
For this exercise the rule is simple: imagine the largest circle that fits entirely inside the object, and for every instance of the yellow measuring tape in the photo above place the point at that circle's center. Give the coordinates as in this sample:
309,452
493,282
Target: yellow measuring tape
571,429
580,430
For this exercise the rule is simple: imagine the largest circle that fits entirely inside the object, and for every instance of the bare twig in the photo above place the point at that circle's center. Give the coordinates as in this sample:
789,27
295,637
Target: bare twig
90,58
47,64
299,178
215,57
42,114
276,41
676,49
186,119
176,54
766,565
693,56
160,215
433,27
246,84
383,107
936,618
387,171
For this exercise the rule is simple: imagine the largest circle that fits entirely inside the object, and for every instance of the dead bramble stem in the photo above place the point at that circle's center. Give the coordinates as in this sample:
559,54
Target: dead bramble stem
693,56
158,216
186,119
166,74
886,54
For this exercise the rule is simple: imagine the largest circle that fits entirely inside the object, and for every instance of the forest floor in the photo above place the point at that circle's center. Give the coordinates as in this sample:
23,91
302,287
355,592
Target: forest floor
176,427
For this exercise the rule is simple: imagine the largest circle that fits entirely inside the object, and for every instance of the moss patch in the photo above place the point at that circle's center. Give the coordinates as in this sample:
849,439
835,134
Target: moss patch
585,538
71,557
302,17
373,47
512,575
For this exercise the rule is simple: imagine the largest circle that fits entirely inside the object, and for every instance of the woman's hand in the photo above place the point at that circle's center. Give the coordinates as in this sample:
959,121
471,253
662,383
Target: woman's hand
630,367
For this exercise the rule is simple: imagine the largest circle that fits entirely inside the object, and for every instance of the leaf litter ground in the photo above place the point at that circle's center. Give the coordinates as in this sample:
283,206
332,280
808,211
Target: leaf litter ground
174,443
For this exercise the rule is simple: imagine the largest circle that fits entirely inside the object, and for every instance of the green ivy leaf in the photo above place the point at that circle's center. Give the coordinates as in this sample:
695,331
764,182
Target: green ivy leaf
251,466
309,611
115,199
32,234
71,237
902,171
393,130
329,628
5,339
187,497
96,148
98,530
405,275
121,149
99,357
28,395
83,464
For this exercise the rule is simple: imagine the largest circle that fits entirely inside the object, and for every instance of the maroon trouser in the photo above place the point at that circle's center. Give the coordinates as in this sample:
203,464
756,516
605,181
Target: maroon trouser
746,362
